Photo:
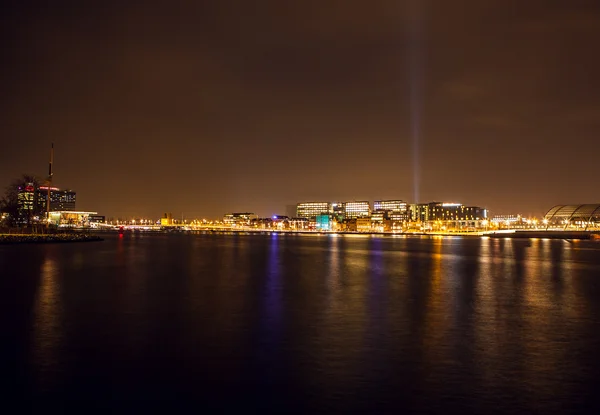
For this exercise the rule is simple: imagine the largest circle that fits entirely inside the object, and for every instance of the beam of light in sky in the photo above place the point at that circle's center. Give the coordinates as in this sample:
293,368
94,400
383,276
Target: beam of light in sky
414,38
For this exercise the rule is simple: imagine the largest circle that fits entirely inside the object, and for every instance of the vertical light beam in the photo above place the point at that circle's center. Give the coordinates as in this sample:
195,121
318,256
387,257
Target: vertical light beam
414,39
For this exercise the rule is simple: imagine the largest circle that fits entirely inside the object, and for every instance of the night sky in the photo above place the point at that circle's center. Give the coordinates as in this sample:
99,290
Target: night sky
201,108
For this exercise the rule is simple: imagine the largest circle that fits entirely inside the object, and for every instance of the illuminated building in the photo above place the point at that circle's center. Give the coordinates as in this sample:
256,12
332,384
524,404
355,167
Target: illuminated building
380,221
397,211
71,218
419,212
240,218
506,219
280,222
379,215
363,225
399,216
299,224
456,212
310,210
390,205
360,209
262,223
166,220
323,222
60,200
28,202
33,201
436,211
338,210
579,217
92,218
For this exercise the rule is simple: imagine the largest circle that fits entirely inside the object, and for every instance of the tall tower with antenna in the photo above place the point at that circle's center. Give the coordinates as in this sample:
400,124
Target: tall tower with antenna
49,185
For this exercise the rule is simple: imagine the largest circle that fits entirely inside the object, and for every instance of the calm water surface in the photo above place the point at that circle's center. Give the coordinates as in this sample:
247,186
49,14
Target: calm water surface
290,323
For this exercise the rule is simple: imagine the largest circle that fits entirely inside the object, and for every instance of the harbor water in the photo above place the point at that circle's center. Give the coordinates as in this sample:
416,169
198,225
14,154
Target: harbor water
301,324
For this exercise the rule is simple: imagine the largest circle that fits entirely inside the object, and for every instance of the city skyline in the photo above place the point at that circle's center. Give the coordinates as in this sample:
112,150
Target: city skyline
201,108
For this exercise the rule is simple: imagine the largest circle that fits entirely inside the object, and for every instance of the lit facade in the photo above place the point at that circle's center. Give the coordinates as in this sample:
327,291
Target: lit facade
92,218
436,211
390,205
27,200
71,218
419,212
360,209
506,219
299,224
310,210
60,200
323,222
573,217
363,225
456,212
399,216
33,200
380,221
338,210
239,218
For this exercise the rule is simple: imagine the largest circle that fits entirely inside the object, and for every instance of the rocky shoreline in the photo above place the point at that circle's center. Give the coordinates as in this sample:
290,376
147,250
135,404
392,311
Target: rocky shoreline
9,239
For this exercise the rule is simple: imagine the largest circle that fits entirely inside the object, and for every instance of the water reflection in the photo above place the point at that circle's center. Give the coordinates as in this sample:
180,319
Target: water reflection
48,330
344,323
273,287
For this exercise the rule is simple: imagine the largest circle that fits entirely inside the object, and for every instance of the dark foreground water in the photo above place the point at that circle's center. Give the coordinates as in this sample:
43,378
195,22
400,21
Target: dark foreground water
289,323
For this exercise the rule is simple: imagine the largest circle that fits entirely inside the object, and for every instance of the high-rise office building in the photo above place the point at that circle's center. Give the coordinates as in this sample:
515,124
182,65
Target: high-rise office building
60,200
337,210
359,209
437,211
27,202
310,210
395,210
390,205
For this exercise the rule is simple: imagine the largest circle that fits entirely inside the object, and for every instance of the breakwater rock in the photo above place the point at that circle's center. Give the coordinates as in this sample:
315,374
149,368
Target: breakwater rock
8,239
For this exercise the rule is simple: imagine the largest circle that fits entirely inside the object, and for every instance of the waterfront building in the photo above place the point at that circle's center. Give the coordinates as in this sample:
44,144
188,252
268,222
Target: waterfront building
27,202
70,218
60,200
397,211
310,210
379,215
280,222
262,223
338,210
167,219
32,201
399,216
299,224
363,225
323,222
437,211
97,218
419,212
456,212
239,218
390,205
357,209
505,219
349,225
573,217
380,221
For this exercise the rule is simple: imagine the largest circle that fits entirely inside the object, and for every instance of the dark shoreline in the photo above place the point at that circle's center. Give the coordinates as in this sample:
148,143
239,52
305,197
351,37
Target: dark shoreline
15,239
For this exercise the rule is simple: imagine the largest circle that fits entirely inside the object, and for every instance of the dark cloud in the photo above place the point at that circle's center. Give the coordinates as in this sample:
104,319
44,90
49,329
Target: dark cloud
204,107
